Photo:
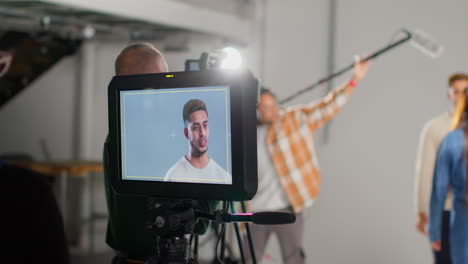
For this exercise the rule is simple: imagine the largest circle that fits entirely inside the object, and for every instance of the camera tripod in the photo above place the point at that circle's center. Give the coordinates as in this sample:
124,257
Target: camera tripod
174,221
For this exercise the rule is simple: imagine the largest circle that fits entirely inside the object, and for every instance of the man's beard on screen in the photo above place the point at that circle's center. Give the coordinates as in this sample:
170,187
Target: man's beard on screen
196,152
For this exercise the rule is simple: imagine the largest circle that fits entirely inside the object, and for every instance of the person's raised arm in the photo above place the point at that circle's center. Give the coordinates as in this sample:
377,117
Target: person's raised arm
319,112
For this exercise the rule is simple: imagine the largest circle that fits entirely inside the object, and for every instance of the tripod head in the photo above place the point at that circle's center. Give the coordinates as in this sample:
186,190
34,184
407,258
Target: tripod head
174,220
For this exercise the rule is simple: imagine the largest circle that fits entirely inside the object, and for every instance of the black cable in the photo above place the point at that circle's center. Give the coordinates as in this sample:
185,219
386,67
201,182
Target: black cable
223,227
195,248
223,245
217,244
190,242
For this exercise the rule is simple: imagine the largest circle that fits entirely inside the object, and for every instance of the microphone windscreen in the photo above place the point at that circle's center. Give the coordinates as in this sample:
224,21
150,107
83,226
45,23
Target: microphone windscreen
426,44
273,218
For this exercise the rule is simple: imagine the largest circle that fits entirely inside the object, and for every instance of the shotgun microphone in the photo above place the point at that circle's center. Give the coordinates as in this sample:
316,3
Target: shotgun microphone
259,218
425,43
420,40
273,218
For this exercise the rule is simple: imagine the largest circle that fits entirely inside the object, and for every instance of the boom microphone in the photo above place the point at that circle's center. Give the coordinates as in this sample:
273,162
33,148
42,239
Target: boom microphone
273,218
425,43
419,40
260,218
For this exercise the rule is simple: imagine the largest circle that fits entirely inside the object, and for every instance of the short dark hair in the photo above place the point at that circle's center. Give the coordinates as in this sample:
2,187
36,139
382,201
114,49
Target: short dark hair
265,90
459,76
192,106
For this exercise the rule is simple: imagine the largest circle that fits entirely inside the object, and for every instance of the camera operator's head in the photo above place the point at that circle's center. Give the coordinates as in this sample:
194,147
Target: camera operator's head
268,108
196,129
140,58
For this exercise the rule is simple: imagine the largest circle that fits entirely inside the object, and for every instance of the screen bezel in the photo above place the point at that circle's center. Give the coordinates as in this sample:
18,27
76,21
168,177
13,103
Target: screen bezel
243,98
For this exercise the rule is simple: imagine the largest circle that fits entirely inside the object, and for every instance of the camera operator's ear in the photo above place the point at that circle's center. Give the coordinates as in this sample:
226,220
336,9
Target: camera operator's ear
186,133
259,116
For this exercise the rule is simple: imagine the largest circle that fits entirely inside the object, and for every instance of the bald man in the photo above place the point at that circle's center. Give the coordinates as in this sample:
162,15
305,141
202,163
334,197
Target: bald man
128,215
140,58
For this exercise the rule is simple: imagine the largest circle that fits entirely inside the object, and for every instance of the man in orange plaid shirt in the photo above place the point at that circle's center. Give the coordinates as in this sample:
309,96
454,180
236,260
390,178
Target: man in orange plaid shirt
288,171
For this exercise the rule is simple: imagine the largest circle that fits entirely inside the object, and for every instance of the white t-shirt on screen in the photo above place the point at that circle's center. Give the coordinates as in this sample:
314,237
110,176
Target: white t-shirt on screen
183,171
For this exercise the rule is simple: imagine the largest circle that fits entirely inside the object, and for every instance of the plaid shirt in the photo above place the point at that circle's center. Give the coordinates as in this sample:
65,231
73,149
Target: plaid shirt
291,146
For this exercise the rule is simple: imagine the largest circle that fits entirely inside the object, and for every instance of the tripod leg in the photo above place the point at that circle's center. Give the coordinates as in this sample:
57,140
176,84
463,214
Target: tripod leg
239,242
249,236
252,251
223,243
195,248
239,239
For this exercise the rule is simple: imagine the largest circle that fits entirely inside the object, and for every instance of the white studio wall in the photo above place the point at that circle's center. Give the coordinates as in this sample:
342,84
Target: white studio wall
295,56
44,111
365,212
295,45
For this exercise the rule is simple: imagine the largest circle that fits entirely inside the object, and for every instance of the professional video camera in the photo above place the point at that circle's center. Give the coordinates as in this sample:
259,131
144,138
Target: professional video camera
149,138
183,137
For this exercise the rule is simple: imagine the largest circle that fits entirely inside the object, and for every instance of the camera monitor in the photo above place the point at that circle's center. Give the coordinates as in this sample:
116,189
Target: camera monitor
184,135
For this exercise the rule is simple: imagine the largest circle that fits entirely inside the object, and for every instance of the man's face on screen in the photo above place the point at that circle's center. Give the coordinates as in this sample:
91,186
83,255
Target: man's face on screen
198,132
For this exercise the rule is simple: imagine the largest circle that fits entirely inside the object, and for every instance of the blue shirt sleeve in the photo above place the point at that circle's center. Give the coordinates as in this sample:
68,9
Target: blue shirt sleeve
440,185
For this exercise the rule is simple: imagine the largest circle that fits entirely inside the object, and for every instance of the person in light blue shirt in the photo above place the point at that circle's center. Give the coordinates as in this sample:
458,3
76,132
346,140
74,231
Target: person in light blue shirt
450,174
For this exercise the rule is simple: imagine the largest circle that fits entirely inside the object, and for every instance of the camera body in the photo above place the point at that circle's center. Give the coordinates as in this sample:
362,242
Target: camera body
208,60
150,137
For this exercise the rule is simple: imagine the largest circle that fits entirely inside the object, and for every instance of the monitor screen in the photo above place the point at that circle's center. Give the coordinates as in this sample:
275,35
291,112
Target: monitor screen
176,135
